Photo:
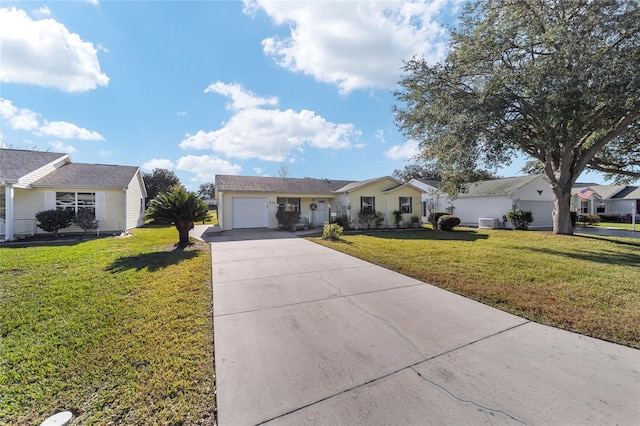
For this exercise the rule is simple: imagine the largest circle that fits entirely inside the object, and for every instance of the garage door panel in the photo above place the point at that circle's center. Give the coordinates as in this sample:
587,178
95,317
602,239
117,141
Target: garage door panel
249,212
542,212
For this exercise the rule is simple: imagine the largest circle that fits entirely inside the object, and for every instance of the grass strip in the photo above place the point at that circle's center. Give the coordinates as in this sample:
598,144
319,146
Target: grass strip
117,330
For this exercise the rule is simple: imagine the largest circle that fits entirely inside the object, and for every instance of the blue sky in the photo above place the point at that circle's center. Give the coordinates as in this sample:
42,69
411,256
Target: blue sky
217,87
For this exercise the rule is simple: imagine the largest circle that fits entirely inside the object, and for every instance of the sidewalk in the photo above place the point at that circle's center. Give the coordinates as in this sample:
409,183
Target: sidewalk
308,335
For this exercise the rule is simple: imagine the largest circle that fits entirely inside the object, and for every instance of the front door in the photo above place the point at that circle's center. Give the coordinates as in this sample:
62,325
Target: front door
321,214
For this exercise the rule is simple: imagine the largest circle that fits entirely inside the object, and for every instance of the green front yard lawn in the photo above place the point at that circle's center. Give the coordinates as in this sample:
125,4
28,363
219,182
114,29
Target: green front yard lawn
117,330
586,284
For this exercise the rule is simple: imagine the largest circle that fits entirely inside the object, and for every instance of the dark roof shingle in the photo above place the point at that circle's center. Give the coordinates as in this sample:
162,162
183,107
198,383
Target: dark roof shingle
82,175
16,163
275,184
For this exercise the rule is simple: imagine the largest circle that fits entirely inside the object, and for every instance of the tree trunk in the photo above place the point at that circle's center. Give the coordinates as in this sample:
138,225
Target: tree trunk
183,230
562,211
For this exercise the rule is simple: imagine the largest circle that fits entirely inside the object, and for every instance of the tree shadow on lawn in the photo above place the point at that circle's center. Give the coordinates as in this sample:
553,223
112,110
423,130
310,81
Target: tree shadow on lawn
152,261
610,257
613,240
426,234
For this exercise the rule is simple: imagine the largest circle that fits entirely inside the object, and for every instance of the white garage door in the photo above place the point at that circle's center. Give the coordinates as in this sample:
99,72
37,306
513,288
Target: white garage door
249,212
542,213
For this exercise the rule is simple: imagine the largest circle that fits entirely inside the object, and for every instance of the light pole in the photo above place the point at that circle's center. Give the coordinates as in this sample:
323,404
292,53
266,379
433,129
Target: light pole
633,216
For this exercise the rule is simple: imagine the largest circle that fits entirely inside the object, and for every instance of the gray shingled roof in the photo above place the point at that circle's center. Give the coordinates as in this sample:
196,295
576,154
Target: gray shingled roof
16,163
628,192
498,186
82,175
280,185
355,185
608,191
431,182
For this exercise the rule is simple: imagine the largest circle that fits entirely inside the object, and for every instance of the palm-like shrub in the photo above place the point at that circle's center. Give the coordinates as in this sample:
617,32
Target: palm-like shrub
180,208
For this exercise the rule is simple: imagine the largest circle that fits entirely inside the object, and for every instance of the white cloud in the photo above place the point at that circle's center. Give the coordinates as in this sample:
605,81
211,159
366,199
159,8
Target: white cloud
43,11
268,134
240,98
25,119
18,118
61,147
182,113
158,163
380,136
403,152
258,170
207,166
44,52
64,130
271,134
354,44
96,2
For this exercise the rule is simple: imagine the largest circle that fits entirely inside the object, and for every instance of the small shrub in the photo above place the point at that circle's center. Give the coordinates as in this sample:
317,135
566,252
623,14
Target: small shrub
342,221
370,219
287,219
611,218
415,219
54,220
86,220
589,219
397,218
332,231
447,222
520,219
434,217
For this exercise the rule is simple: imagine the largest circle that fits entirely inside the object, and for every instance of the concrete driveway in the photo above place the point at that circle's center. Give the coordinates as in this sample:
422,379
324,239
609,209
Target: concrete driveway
307,335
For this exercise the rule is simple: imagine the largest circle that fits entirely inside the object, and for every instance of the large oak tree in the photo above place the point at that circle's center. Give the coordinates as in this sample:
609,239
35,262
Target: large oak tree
556,80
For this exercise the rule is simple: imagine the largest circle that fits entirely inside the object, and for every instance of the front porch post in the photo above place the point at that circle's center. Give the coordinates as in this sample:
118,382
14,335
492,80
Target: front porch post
9,216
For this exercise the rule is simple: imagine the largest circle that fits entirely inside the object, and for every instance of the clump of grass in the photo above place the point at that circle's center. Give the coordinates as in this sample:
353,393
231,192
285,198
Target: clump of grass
588,285
117,330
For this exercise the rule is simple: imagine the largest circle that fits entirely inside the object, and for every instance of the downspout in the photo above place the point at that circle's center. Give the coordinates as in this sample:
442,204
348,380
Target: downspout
124,196
9,194
221,210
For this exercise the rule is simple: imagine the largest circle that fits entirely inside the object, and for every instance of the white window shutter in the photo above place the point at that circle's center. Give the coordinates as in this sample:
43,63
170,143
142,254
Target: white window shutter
100,206
49,200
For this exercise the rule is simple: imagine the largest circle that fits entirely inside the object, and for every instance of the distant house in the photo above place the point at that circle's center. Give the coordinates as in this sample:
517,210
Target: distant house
491,199
614,200
252,201
33,181
433,199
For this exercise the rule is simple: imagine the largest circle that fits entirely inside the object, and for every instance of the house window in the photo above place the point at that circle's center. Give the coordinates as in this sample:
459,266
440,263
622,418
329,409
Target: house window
406,205
584,206
288,204
2,205
600,207
74,201
368,204
424,208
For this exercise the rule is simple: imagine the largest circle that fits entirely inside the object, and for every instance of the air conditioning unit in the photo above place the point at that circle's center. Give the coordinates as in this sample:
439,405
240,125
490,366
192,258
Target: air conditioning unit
488,223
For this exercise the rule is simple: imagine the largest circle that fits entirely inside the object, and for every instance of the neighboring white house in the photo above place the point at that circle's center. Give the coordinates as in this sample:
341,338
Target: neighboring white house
615,200
491,199
253,201
433,199
33,181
